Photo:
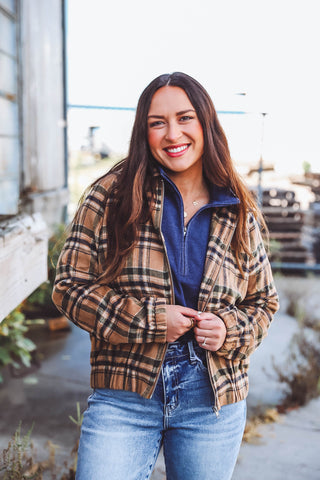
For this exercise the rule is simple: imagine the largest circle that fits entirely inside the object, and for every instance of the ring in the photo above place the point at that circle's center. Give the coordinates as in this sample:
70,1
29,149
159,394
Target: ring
204,341
191,322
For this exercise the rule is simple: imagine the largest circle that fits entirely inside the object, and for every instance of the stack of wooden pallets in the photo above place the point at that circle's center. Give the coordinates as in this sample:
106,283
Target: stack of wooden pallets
289,240
312,180
312,220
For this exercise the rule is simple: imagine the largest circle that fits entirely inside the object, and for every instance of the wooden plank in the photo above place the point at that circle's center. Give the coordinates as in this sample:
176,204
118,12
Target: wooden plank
284,235
293,245
296,220
280,202
283,211
294,256
279,193
313,175
290,227
23,259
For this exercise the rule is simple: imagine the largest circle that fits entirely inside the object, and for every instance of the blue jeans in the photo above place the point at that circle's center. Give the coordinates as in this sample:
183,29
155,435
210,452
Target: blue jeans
122,432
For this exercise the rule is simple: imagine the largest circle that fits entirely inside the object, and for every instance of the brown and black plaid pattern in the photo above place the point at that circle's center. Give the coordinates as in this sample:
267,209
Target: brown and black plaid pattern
126,318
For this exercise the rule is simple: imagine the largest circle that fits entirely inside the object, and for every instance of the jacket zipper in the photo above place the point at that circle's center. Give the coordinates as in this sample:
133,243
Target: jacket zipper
185,228
215,407
171,281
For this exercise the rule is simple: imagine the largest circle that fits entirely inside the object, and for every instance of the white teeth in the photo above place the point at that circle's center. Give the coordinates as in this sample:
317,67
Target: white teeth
177,149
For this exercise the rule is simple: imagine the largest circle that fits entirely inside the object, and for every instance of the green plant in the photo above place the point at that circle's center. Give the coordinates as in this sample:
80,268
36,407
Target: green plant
274,247
78,422
15,348
16,461
306,167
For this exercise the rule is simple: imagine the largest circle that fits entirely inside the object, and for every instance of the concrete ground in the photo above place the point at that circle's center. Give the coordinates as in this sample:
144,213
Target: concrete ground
48,395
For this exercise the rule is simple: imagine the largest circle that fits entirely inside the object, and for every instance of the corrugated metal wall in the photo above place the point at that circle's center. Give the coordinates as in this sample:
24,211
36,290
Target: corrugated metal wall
43,110
32,109
9,115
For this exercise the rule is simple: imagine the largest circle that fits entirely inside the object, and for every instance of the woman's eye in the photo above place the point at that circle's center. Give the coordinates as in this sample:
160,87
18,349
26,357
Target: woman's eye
157,123
185,118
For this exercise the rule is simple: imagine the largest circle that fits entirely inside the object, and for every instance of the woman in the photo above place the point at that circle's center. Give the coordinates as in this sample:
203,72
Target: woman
166,269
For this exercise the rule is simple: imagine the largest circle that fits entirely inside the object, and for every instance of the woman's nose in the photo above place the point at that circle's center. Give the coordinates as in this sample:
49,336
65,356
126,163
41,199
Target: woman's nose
173,132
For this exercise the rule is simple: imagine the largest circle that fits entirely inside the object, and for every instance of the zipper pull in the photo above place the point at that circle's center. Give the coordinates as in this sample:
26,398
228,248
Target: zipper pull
216,411
185,231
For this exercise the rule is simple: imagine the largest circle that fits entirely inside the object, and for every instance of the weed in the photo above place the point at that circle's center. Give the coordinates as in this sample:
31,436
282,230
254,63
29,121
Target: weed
301,371
295,308
301,375
78,422
300,298
251,433
16,462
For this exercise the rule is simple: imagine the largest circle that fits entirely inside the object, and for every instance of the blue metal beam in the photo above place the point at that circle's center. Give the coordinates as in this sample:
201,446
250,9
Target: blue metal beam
295,266
133,109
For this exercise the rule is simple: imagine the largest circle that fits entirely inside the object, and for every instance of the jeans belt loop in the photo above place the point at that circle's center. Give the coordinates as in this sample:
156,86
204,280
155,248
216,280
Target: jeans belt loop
192,354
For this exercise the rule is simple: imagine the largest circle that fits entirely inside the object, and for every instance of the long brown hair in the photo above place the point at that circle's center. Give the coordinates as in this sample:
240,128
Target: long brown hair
135,178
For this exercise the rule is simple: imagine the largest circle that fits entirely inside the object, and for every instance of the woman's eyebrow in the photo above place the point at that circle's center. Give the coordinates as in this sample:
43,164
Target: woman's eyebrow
185,111
182,112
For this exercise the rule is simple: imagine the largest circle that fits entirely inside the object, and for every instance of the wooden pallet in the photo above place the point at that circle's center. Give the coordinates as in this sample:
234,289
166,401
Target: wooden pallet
310,180
286,222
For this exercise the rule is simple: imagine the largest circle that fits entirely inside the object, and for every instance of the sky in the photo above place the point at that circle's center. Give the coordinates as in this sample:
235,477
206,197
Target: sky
267,49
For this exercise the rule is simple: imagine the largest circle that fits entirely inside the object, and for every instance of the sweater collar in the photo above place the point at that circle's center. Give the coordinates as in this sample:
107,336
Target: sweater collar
219,196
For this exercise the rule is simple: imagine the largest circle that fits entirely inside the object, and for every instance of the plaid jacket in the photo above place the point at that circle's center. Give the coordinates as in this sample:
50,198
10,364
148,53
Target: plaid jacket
126,318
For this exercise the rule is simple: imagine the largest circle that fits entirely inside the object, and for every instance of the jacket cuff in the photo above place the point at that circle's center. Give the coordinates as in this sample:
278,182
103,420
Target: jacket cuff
232,340
160,317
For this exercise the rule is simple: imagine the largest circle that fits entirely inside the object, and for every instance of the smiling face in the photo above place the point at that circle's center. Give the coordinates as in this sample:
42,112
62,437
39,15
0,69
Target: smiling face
175,134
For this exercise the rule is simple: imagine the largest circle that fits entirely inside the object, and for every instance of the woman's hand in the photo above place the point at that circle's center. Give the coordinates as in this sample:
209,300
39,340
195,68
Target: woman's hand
179,321
210,331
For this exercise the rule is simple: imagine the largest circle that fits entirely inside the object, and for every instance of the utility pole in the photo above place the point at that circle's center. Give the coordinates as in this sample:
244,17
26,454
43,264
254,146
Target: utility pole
260,168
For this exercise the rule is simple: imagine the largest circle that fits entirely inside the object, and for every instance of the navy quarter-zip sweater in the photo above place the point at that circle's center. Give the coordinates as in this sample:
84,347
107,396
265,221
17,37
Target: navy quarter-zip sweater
187,247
